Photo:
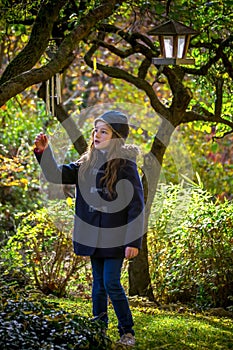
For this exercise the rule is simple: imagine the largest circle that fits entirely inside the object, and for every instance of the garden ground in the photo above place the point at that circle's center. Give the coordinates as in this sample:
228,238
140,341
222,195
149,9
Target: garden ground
178,329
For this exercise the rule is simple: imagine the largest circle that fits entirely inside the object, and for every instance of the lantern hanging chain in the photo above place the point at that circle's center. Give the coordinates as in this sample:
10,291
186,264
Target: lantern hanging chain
168,7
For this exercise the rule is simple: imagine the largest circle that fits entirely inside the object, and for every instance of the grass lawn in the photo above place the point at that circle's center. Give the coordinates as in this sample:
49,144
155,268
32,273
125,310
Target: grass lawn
159,329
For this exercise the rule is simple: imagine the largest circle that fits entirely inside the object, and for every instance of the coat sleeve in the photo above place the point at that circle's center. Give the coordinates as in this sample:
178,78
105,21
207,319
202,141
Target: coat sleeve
135,225
55,173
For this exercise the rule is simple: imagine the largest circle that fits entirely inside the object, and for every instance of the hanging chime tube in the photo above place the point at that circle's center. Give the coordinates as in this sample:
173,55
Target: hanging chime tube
47,96
52,93
58,88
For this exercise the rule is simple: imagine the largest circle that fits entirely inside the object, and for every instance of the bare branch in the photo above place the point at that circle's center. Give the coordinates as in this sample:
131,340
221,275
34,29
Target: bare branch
136,47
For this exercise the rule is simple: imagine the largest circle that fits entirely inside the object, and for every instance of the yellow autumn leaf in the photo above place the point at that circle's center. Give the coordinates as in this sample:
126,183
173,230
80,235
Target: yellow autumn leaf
24,38
140,131
94,64
13,183
27,312
24,181
69,201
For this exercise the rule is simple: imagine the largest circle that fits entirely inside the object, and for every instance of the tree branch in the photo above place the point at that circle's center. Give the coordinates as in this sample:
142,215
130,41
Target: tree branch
64,55
181,94
143,69
175,76
191,116
136,47
146,63
142,84
221,137
227,64
130,38
218,102
40,35
218,54
114,49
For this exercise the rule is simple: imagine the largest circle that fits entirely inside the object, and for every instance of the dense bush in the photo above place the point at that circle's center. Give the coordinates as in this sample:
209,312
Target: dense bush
29,322
42,249
40,325
191,247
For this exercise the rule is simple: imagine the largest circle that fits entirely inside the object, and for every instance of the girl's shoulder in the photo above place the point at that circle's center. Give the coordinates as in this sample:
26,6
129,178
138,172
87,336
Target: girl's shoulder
129,152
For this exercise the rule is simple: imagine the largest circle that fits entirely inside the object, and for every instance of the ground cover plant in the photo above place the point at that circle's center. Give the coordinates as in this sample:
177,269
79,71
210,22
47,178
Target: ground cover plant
33,325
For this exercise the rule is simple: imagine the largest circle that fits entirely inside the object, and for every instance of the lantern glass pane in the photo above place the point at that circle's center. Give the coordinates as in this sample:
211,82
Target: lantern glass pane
181,43
168,46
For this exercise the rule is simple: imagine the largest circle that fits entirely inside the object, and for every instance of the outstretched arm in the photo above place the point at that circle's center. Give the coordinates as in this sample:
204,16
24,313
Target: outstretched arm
53,172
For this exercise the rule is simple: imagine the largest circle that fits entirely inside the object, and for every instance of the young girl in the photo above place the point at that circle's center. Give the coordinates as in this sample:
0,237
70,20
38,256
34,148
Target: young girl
109,211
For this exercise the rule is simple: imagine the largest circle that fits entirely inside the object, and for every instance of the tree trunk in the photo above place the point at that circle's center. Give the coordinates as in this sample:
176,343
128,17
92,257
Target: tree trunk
139,274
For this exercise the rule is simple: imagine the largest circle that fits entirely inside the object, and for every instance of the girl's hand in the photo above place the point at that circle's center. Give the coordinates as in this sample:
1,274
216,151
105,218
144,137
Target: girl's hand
131,252
41,142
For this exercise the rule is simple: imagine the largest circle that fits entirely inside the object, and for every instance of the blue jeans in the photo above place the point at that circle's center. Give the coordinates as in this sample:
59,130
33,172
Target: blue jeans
106,282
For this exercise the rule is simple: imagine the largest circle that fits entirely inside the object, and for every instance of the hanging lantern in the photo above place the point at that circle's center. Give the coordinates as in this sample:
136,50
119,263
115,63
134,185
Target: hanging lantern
174,38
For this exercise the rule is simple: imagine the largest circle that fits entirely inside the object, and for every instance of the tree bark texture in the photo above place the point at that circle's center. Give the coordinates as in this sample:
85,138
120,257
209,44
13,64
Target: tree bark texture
139,271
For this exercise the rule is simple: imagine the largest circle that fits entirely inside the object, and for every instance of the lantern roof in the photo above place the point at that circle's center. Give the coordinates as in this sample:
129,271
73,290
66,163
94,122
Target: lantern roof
172,27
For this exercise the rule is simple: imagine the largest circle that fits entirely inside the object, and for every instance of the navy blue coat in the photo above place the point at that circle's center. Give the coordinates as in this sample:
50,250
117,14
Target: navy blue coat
103,226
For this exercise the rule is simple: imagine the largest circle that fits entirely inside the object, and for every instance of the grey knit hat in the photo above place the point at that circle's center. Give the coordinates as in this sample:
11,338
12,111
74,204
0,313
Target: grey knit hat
117,121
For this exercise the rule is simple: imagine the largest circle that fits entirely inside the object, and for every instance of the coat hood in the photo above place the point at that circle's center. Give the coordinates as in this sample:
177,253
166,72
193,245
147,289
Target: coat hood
129,152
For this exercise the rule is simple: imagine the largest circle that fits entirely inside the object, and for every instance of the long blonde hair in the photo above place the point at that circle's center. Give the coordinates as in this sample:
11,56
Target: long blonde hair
114,162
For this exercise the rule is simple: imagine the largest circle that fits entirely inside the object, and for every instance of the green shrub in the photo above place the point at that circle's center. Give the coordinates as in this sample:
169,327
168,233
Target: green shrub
42,249
40,325
19,187
191,247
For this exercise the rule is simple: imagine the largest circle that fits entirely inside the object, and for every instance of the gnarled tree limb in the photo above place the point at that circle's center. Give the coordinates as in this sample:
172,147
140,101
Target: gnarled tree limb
64,56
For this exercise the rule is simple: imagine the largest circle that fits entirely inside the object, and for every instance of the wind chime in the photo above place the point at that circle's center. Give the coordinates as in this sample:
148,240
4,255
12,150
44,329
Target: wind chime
53,93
